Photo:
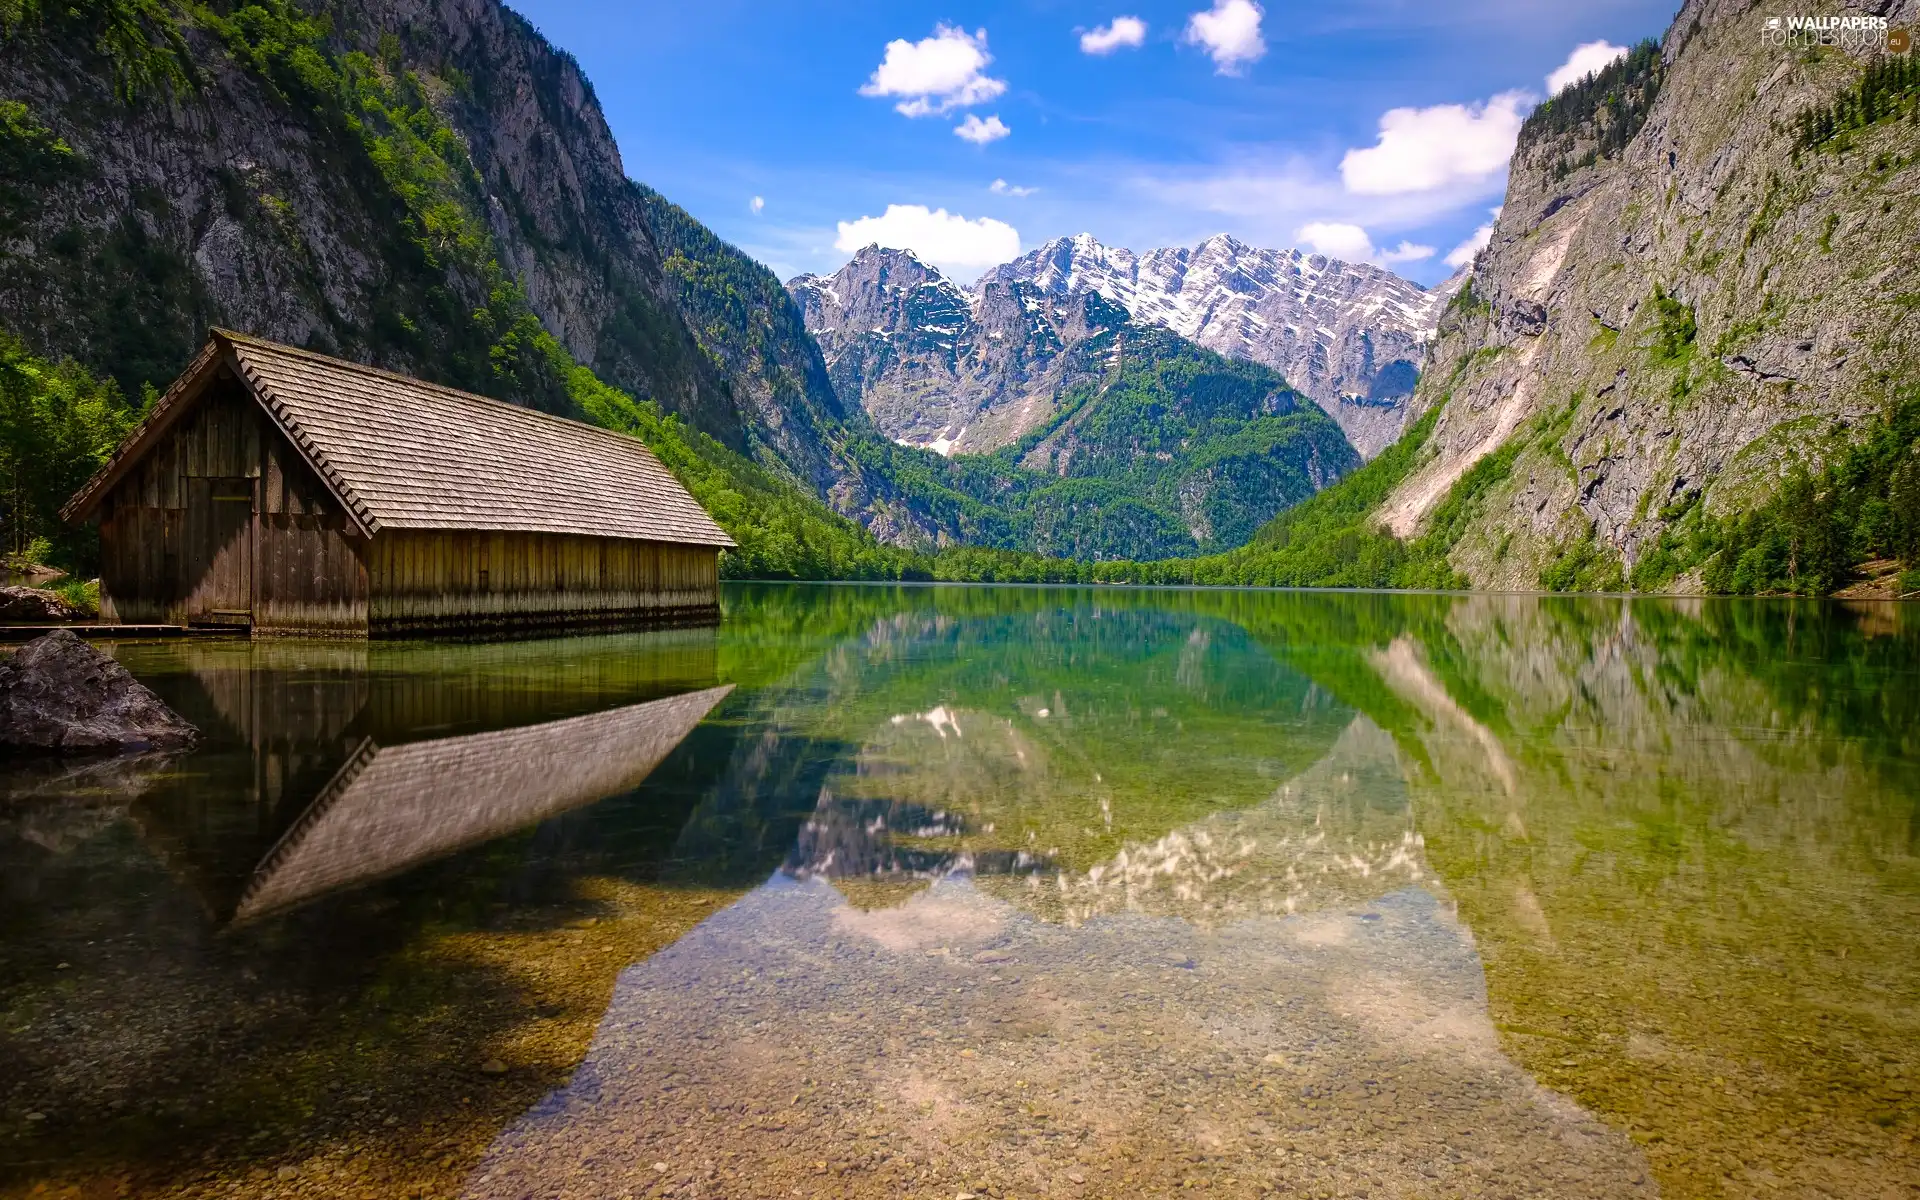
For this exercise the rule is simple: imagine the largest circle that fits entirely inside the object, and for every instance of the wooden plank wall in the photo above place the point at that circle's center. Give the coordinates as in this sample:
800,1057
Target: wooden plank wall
181,544
166,556
174,553
310,571
451,579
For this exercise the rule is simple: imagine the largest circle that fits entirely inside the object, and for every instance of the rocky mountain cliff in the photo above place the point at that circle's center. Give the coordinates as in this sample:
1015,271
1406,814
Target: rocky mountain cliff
1350,335
390,180
938,368
1703,279
1080,433
428,186
956,369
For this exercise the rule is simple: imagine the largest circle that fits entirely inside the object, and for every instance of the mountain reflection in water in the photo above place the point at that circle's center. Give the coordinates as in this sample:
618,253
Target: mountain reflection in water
1152,1023
1003,890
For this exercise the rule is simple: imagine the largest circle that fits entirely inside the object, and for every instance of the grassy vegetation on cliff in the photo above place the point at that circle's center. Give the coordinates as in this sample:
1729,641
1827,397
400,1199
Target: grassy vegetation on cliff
1888,90
140,40
30,154
1601,112
1172,451
1808,537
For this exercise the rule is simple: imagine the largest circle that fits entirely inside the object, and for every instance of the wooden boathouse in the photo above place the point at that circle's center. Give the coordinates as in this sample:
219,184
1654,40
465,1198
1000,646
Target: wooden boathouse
290,493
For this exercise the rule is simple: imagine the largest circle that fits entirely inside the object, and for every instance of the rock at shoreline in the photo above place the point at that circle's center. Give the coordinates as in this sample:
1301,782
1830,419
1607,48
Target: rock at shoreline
60,695
33,604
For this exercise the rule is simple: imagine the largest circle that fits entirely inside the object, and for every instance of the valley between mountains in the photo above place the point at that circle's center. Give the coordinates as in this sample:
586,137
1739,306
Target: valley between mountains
1685,361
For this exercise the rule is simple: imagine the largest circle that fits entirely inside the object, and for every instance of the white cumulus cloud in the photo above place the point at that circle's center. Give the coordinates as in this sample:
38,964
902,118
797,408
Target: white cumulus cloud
1464,253
937,74
940,237
1350,243
1423,149
1405,252
1230,31
1105,39
756,204
979,132
1586,58
1001,187
1336,240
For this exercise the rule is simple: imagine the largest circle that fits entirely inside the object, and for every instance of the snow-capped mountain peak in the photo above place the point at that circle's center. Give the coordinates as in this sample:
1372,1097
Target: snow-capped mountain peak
1350,335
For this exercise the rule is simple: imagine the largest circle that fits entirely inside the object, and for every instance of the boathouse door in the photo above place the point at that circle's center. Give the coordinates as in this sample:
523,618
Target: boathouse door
216,553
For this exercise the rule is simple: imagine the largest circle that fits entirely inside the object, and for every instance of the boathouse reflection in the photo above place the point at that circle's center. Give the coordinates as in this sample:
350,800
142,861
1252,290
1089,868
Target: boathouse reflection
369,760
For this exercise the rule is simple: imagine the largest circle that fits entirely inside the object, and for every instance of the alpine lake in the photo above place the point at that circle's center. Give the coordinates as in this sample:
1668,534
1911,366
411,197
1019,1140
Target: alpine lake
879,891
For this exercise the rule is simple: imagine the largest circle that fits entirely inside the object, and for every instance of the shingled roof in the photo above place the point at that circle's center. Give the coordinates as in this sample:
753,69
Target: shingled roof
391,807
403,454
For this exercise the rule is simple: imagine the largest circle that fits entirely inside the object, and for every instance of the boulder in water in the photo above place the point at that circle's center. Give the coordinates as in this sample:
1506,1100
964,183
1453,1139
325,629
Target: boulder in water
60,695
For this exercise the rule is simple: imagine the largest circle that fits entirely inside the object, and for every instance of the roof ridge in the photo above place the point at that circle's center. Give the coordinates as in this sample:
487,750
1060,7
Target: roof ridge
399,452
162,412
316,455
416,381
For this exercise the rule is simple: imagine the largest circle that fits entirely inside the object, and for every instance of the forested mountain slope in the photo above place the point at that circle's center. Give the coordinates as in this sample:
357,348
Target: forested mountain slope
1157,449
1688,361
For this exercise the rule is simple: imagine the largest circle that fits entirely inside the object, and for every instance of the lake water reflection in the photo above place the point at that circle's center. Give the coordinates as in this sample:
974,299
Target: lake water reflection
1010,891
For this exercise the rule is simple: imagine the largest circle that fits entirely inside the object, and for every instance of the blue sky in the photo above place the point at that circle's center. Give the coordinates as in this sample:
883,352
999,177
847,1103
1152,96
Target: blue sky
1364,128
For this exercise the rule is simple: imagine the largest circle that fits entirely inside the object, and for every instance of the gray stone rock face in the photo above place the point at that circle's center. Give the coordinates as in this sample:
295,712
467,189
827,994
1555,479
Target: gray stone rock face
33,604
953,369
938,368
256,218
1350,335
1680,323
60,695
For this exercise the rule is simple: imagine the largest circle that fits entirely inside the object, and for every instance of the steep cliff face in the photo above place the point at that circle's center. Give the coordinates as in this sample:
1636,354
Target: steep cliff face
1682,301
938,368
570,227
383,183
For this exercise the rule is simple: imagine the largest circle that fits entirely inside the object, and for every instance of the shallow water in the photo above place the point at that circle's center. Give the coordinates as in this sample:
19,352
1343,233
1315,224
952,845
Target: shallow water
883,891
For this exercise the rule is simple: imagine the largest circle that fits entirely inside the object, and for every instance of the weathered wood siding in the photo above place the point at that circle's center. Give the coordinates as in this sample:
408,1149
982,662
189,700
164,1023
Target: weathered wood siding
310,570
459,579
223,524
167,556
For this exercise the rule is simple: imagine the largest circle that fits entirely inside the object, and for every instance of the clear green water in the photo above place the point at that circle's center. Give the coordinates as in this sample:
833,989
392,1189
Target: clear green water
1002,891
